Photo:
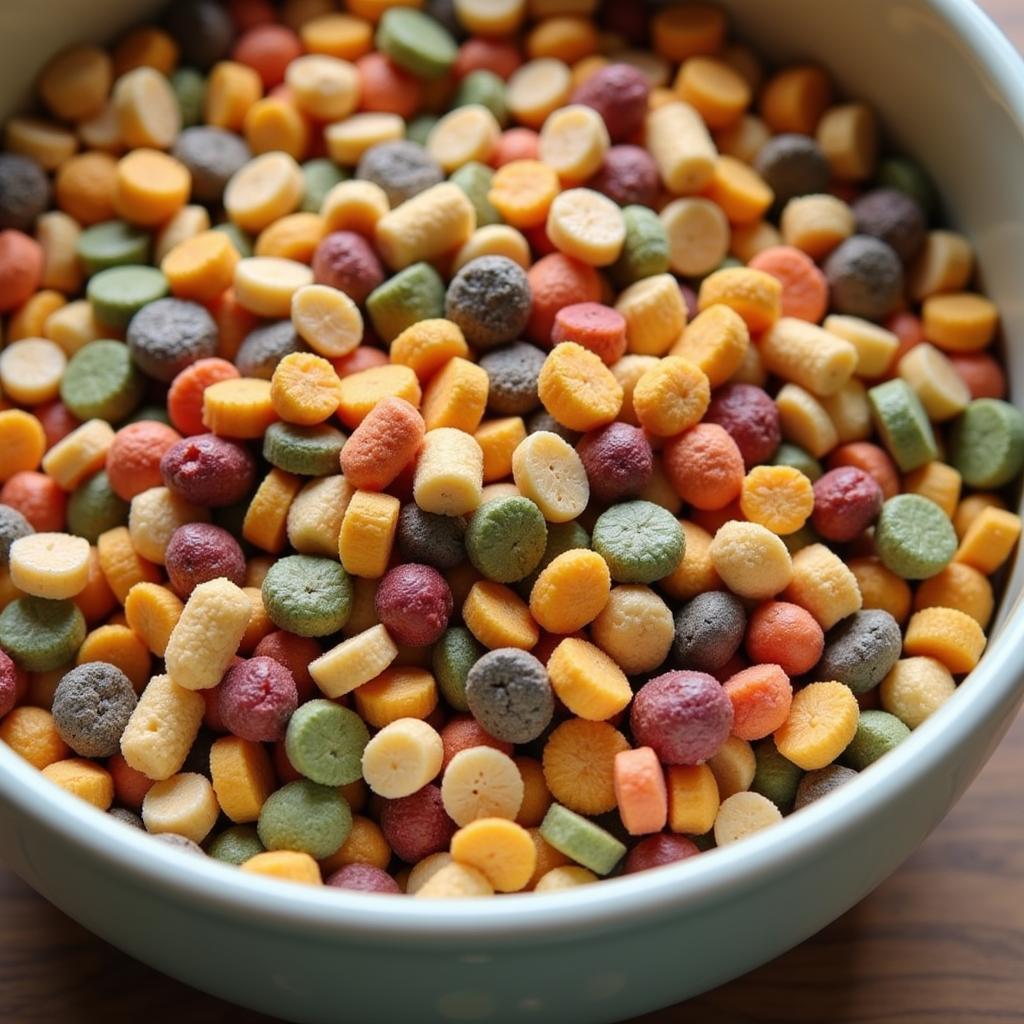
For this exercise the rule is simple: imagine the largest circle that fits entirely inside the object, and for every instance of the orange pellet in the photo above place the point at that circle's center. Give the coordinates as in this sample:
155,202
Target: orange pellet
821,723
946,634
85,186
795,99
31,734
958,586
688,31
704,466
202,267
498,617
718,93
780,498
761,698
305,389
640,791
185,397
151,187
579,765
382,445
522,191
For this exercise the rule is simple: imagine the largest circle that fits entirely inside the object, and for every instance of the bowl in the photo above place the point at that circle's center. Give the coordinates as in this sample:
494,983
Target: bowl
951,92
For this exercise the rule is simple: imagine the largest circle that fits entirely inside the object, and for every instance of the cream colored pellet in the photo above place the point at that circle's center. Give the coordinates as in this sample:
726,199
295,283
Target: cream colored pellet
455,881
80,454
449,473
494,240
804,420
816,224
402,758
751,560
875,345
946,264
265,189
162,728
742,815
698,234
849,411
848,136
464,134
808,355
430,224
50,565
58,234
348,140
548,471
153,517
574,141
681,147
314,517
72,326
207,635
824,585
354,661
936,383
183,804
655,314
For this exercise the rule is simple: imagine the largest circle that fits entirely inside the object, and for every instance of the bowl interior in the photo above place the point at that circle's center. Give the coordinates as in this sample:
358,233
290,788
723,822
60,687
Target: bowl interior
949,89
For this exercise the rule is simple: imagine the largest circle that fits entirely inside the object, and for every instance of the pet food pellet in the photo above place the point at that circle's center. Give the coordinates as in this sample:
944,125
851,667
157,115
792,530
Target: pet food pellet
946,634
500,849
242,777
581,840
821,724
40,635
808,356
742,815
878,732
915,689
824,585
987,443
509,693
402,758
587,226
914,537
354,661
50,565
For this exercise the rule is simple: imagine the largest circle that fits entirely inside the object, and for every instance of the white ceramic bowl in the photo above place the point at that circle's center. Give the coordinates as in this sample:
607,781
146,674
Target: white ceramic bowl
951,92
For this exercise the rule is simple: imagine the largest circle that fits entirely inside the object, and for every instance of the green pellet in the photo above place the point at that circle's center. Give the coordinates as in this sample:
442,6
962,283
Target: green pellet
419,128
987,443
506,538
416,42
118,293
235,845
486,89
114,243
793,455
645,251
641,542
775,776
454,655
94,508
325,742
305,451
903,424
307,595
306,817
475,180
581,840
914,537
190,89
319,176
414,294
878,732
41,635
102,382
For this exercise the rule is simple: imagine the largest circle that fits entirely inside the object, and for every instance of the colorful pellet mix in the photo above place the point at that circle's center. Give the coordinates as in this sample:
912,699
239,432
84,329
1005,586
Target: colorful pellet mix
529,458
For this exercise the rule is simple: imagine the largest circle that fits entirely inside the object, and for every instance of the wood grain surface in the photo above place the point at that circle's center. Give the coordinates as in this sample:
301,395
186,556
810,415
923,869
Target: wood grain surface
941,942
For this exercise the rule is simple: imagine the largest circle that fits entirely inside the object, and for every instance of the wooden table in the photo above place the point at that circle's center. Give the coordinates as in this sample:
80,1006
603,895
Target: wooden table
941,942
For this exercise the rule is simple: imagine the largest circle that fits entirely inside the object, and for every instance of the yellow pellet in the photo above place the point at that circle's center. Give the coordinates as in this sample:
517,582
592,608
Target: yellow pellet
671,397
231,91
153,517
264,190
959,321
315,516
183,804
500,849
548,471
147,109
326,88
808,355
455,881
934,380
751,560
573,143
152,612
122,566
449,473
698,235
43,141
946,634
354,661
466,133
805,421
360,392
242,777
50,565
743,814
683,150
874,344
327,320
206,637
587,681
456,396
536,89
571,591
349,139
494,240
58,235
693,799
162,728
265,285
915,689
239,408
577,389
755,295
655,314
498,440
426,226
31,368
945,264
849,411
354,206
733,767
779,498
848,136
498,617
750,239
939,482
80,454
84,779
958,586
821,724
989,540
740,191
367,533
823,584
285,866
816,224
395,694
72,326
586,225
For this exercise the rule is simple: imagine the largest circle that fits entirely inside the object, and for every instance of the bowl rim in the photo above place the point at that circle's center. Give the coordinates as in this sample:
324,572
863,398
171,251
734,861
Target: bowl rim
625,901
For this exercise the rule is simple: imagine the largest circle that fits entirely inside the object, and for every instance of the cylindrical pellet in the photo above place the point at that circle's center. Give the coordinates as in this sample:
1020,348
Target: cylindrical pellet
162,728
681,147
807,355
449,473
424,227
